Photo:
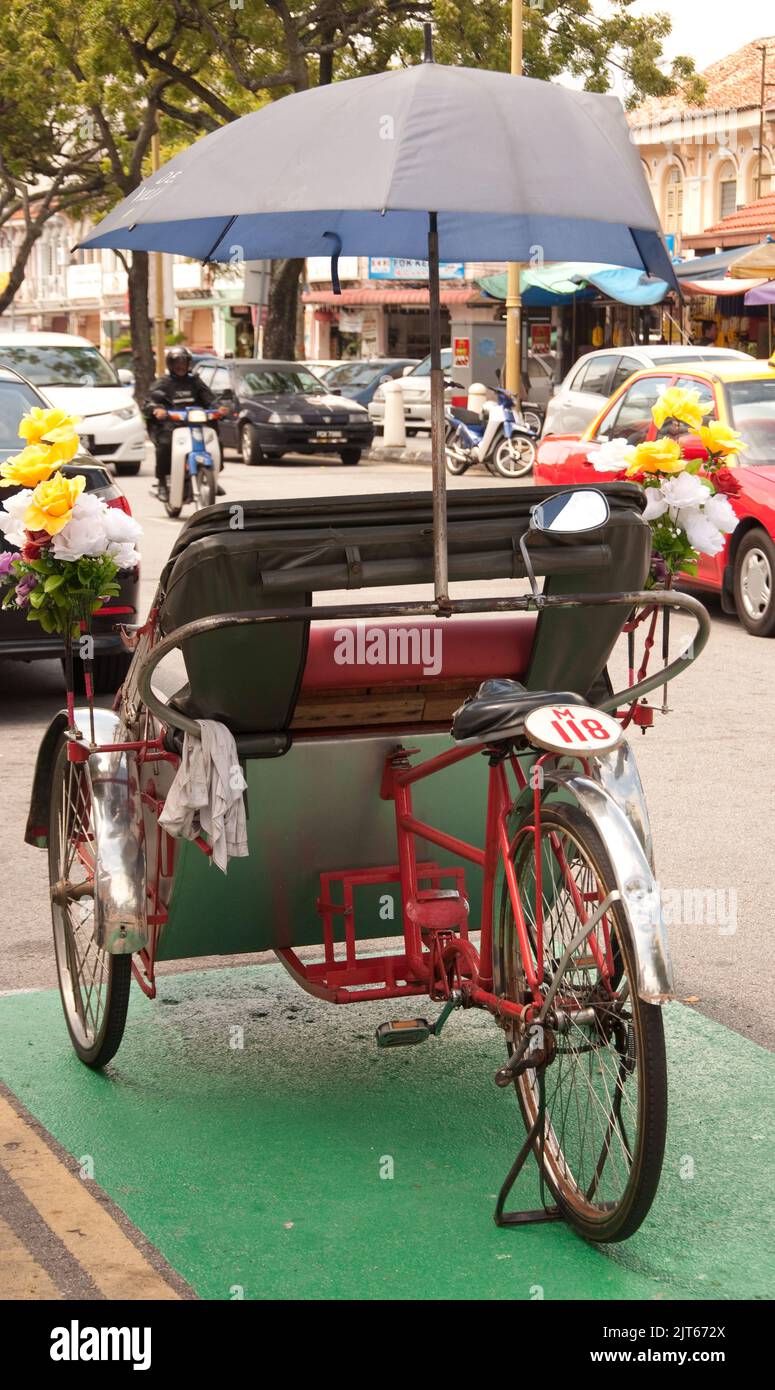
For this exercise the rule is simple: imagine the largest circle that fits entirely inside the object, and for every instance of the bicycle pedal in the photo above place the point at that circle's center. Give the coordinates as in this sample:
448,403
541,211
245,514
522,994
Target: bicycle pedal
403,1032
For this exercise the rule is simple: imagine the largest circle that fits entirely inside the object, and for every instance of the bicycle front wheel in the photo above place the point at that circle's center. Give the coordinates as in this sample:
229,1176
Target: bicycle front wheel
606,1083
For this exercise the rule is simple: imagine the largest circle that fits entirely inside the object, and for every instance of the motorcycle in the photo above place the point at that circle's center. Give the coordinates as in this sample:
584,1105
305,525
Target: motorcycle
196,459
496,438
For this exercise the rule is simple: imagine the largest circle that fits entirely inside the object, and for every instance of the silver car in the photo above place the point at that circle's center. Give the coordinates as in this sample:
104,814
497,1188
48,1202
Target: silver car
596,375
416,390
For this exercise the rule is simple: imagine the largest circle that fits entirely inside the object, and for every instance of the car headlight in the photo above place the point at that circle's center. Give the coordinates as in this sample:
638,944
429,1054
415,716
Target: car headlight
275,419
128,413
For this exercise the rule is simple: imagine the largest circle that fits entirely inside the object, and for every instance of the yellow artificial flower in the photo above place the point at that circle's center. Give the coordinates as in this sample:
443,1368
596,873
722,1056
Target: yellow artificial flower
51,504
38,423
720,439
32,466
656,456
678,404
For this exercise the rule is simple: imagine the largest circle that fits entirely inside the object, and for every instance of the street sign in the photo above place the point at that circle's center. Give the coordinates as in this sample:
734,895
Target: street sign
402,268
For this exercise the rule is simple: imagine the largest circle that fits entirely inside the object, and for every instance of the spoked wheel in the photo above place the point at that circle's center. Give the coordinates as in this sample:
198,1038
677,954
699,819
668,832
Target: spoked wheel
514,457
606,1081
94,985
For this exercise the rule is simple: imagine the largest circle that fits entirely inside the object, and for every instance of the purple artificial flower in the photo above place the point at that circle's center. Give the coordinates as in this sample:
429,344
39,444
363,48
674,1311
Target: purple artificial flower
7,558
24,588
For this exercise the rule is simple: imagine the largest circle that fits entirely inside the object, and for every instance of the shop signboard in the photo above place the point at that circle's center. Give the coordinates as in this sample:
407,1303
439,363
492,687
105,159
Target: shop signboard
401,268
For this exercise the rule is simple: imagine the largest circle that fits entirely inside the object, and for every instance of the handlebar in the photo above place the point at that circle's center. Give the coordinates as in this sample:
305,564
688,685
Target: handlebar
659,598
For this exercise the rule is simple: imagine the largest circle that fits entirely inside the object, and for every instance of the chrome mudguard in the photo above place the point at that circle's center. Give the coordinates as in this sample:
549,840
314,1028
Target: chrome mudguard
120,914
613,799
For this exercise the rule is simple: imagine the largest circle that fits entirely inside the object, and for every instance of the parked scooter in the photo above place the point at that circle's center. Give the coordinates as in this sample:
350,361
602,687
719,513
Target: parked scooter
496,438
196,459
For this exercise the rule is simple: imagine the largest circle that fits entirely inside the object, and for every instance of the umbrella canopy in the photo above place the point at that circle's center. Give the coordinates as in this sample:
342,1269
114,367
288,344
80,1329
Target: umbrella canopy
452,163
765,294
560,282
756,264
365,160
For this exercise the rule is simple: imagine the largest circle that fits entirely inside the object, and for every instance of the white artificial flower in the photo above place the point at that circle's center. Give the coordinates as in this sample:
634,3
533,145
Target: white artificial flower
611,456
124,554
721,514
656,504
701,533
84,533
12,517
684,490
121,527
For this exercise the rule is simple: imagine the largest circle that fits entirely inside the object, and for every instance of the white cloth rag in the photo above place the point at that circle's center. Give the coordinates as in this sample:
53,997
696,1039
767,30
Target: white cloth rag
206,795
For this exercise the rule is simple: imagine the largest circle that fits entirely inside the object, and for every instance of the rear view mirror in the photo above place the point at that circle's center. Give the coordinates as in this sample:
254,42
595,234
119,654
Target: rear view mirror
567,513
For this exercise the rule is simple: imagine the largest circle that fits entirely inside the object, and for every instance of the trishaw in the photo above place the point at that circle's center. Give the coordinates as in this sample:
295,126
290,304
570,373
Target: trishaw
521,862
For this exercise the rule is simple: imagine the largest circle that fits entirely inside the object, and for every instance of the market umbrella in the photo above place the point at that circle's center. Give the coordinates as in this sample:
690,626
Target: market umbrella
757,264
427,161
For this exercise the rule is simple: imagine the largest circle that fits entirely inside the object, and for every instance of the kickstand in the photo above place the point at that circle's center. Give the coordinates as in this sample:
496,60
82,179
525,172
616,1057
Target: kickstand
527,1218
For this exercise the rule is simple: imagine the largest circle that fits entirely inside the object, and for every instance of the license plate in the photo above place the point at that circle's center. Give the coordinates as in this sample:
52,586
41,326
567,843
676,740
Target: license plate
330,437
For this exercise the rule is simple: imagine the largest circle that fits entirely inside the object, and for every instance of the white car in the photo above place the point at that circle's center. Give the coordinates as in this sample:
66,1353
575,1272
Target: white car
416,391
72,374
596,375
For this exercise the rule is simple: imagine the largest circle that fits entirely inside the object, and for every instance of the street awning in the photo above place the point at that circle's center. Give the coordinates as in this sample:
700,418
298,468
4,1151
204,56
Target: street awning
396,295
722,286
705,267
764,294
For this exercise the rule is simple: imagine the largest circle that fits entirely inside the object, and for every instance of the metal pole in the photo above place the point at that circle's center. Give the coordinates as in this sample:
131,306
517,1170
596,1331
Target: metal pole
440,564
158,275
513,380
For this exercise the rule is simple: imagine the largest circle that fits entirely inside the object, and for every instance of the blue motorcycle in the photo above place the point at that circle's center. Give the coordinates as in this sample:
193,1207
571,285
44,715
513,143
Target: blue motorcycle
498,438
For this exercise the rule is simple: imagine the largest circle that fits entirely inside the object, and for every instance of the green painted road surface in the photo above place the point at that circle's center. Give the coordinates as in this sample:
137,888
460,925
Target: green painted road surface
256,1171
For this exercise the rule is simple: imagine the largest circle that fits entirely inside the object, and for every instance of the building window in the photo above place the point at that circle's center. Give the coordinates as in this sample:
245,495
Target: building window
727,190
674,200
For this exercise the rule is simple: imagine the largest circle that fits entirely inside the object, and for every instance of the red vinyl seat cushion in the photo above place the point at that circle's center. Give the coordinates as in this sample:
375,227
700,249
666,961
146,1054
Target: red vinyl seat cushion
418,651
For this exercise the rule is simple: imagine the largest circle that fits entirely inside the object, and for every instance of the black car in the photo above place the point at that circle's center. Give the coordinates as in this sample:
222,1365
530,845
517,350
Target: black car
276,408
26,641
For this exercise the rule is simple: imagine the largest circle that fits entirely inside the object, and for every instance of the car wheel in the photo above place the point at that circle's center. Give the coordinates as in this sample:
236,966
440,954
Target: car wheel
249,446
350,456
127,470
754,584
109,671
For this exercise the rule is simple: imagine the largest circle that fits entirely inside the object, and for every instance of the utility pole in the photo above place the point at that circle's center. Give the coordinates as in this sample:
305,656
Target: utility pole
513,381
765,86
158,275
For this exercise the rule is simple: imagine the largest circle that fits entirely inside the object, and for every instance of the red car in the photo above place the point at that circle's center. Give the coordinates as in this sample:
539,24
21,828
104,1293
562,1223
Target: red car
739,394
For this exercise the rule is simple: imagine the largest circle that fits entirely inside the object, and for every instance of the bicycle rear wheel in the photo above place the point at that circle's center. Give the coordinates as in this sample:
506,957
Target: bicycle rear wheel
606,1085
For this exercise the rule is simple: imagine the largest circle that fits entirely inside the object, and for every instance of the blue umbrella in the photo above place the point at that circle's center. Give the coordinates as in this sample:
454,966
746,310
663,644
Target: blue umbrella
427,161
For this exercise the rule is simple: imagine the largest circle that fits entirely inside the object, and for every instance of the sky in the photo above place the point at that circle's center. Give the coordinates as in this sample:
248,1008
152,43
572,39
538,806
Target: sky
709,29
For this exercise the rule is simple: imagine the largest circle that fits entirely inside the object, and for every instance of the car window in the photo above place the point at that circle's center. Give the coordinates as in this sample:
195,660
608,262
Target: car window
630,417
424,367
751,406
351,374
220,381
705,393
596,375
16,399
624,369
278,381
59,366
205,374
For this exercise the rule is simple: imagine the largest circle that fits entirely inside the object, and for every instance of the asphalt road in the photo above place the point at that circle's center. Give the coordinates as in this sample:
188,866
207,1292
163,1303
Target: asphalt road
708,770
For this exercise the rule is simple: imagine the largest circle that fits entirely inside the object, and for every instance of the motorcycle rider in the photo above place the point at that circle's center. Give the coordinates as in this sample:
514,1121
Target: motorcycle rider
176,390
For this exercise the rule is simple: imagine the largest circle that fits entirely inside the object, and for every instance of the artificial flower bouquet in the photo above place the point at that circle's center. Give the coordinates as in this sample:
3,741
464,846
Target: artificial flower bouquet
70,544
689,515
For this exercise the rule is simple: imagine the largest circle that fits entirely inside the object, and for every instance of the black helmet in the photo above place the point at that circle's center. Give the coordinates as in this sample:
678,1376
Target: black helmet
178,354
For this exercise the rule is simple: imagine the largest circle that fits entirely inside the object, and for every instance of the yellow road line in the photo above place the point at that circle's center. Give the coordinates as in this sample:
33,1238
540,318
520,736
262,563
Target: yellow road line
21,1277
80,1221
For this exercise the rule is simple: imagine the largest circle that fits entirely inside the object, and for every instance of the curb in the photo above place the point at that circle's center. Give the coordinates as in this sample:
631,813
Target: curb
397,455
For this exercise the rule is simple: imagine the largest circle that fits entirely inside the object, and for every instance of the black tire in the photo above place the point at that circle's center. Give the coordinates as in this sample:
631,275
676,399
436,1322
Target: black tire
207,487
127,470
607,1199
350,457
172,511
504,462
108,674
754,583
250,449
95,1016
533,421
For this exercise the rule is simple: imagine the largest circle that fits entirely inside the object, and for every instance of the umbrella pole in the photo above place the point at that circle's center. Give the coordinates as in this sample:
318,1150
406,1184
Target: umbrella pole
440,565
